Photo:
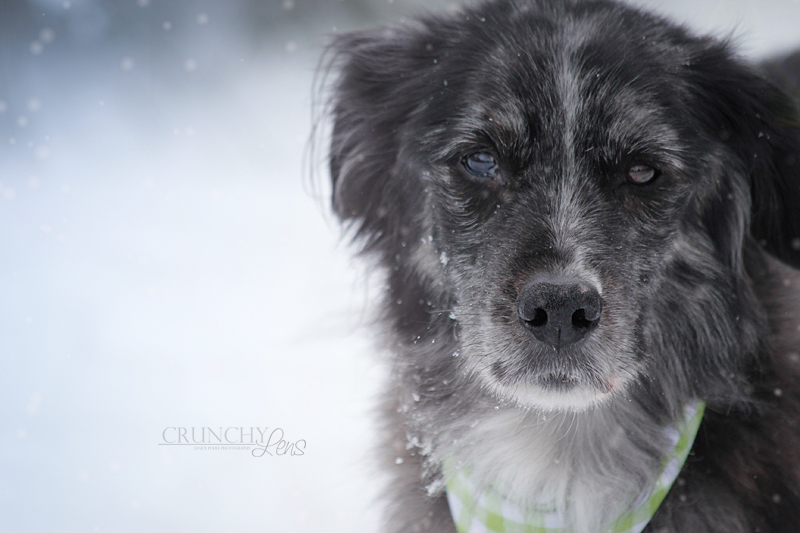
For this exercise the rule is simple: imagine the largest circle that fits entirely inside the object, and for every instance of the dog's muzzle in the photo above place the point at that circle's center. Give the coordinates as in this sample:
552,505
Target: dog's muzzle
559,312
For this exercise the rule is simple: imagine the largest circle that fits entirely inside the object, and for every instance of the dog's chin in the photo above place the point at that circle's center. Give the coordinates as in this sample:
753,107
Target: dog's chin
557,393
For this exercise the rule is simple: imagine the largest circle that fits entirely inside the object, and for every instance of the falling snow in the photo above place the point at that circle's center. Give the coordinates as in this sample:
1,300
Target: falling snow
47,35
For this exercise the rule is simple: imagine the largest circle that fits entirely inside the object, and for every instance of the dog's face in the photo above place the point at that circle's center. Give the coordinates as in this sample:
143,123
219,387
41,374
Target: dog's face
559,188
573,183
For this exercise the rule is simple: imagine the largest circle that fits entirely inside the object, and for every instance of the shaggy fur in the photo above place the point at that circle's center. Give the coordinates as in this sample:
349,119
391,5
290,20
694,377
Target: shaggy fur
522,146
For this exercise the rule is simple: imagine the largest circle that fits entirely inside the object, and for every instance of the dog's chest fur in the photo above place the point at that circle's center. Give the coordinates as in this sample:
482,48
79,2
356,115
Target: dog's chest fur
588,466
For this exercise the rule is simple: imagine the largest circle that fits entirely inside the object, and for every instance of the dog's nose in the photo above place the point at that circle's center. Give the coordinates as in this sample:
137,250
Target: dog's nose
559,313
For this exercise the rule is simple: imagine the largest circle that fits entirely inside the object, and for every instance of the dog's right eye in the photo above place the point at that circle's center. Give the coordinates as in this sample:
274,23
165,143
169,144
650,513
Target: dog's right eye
641,174
481,164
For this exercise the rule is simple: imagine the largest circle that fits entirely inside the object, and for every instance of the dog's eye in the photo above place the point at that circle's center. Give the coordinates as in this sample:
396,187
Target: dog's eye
481,164
641,174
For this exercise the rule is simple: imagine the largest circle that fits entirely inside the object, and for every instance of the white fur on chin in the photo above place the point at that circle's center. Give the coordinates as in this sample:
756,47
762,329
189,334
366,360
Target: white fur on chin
577,399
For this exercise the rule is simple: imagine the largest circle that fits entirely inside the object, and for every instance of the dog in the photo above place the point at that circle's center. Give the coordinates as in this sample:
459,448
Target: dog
588,219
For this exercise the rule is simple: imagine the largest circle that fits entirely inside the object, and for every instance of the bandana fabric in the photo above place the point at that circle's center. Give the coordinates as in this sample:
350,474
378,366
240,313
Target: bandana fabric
485,511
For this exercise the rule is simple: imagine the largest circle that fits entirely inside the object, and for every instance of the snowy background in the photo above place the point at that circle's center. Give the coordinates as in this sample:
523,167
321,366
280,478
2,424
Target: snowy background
162,264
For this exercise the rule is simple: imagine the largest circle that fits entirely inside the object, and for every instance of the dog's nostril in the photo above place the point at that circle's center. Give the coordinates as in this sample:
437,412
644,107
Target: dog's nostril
579,319
539,318
586,317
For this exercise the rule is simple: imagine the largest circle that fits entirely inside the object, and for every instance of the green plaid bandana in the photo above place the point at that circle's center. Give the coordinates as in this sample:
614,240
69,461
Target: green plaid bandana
484,511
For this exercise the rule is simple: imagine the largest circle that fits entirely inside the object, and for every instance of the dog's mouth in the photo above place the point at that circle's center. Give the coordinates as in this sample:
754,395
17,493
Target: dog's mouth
559,389
561,382
557,382
561,392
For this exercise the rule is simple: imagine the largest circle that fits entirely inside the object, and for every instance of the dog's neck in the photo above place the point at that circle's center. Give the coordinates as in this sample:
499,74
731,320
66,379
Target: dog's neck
587,467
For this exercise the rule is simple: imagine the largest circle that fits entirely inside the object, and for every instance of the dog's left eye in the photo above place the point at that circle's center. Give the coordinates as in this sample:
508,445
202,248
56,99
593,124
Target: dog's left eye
481,164
641,174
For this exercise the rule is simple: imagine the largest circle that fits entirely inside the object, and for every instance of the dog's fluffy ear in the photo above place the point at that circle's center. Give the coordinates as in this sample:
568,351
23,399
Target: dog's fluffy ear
761,125
381,82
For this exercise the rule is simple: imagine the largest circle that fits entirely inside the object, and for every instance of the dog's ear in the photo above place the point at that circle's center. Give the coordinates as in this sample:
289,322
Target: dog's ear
761,125
376,92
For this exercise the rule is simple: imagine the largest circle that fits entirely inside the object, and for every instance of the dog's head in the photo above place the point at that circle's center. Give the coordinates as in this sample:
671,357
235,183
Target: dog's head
575,184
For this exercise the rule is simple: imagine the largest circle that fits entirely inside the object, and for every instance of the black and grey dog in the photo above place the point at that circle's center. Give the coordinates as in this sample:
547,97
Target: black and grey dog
587,217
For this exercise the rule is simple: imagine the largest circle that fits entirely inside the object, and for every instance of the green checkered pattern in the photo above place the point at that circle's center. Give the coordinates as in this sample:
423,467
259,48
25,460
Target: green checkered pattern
485,511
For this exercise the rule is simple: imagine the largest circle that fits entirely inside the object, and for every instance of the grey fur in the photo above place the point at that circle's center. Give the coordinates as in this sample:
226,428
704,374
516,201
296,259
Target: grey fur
567,97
